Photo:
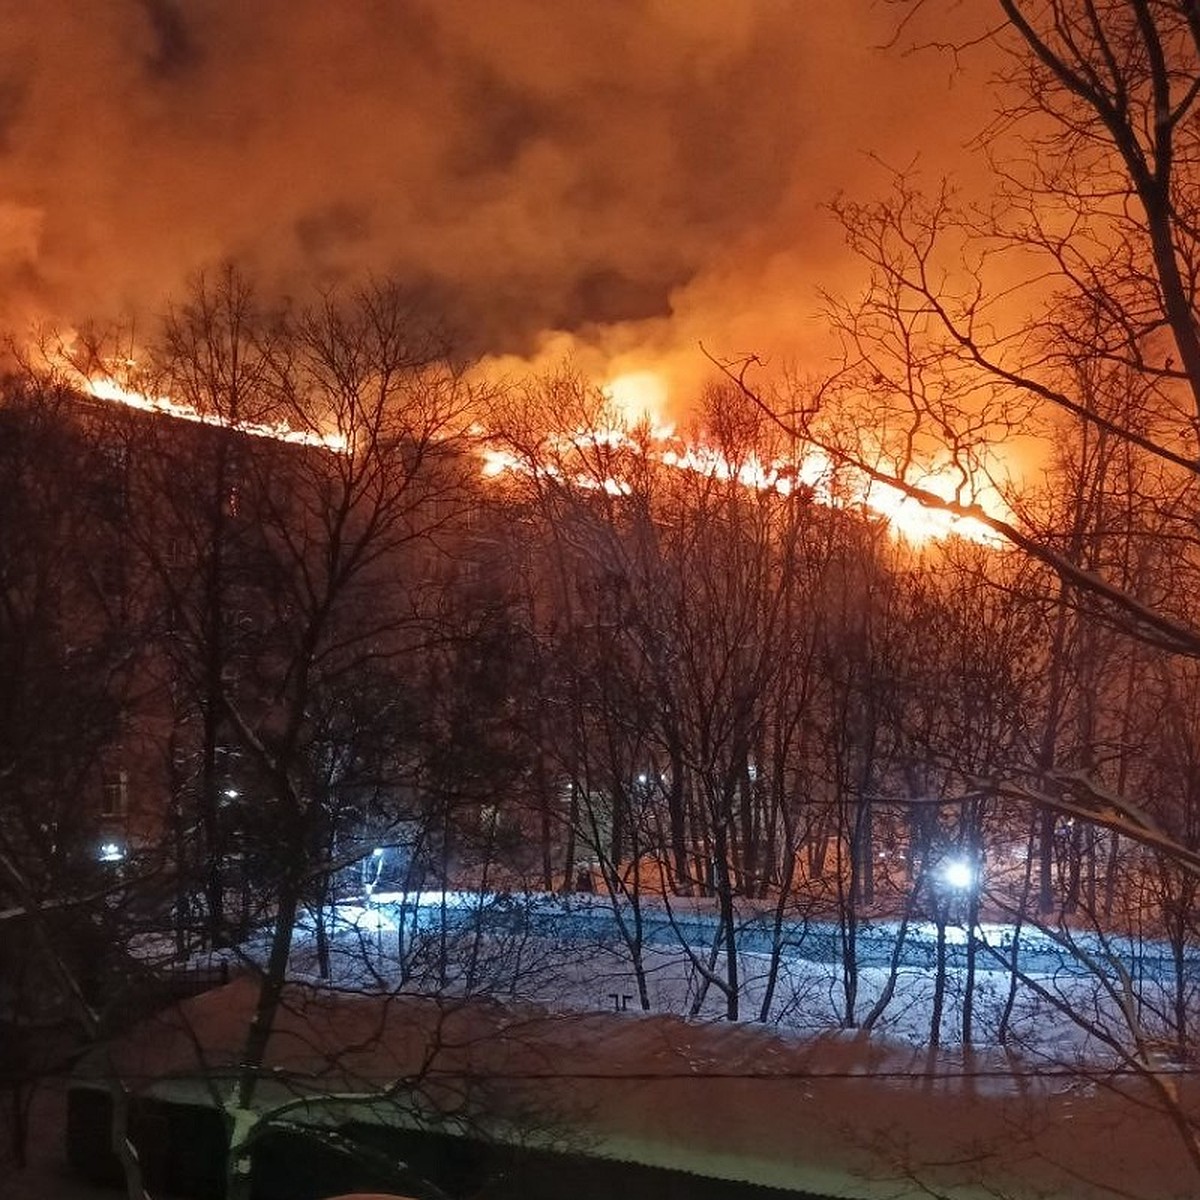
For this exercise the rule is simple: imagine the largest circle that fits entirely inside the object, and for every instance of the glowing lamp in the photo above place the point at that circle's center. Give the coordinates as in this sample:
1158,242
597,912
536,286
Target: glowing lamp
959,874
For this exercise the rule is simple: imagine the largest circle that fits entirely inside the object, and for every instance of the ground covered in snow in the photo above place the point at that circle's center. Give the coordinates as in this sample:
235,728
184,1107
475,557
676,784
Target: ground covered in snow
795,1103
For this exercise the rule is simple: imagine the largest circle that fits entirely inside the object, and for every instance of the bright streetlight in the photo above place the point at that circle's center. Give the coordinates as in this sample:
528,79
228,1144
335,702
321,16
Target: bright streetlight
959,873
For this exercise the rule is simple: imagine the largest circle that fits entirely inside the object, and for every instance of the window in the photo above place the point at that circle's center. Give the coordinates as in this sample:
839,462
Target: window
115,794
116,454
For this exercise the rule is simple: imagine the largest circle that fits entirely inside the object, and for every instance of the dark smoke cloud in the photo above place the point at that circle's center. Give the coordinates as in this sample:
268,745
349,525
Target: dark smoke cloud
174,49
632,172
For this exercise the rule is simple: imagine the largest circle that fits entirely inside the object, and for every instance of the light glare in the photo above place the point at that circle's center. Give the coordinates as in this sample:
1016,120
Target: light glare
958,873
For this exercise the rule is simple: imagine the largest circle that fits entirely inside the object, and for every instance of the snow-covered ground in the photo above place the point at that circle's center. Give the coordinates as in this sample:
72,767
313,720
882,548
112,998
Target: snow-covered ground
1068,1097
568,954
801,1100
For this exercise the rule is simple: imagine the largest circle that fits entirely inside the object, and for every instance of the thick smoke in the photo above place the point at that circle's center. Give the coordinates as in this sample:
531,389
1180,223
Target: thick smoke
635,176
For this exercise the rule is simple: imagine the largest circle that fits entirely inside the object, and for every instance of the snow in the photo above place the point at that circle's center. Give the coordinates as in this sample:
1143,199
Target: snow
398,938
840,1114
800,1103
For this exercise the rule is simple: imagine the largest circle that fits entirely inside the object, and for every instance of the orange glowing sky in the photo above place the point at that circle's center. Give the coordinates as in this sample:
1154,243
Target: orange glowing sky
616,183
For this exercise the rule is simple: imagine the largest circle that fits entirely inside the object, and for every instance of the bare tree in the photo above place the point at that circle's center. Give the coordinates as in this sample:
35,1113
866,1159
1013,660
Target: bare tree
77,859
976,319
294,534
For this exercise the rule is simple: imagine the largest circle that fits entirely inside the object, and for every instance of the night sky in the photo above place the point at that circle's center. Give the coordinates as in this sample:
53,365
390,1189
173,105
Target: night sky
620,180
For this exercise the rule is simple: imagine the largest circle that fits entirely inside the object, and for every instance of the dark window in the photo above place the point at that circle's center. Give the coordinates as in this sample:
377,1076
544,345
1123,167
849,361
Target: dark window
115,794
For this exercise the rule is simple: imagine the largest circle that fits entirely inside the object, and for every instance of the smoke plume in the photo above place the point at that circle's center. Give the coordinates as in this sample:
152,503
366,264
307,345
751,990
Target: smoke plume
622,180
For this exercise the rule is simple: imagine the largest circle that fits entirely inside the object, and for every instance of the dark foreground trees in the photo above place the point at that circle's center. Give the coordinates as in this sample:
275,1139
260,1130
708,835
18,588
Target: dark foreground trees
285,549
304,579
70,647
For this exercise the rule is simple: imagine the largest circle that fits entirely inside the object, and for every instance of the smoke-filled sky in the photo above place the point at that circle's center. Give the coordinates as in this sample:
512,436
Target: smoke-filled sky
621,179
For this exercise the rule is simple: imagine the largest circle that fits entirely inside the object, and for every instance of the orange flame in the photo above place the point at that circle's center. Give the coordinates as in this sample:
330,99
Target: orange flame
106,388
814,471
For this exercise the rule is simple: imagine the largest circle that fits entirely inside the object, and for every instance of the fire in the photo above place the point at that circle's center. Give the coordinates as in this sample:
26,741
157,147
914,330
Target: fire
637,395
106,388
498,462
917,523
641,397
813,472
641,393
751,471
